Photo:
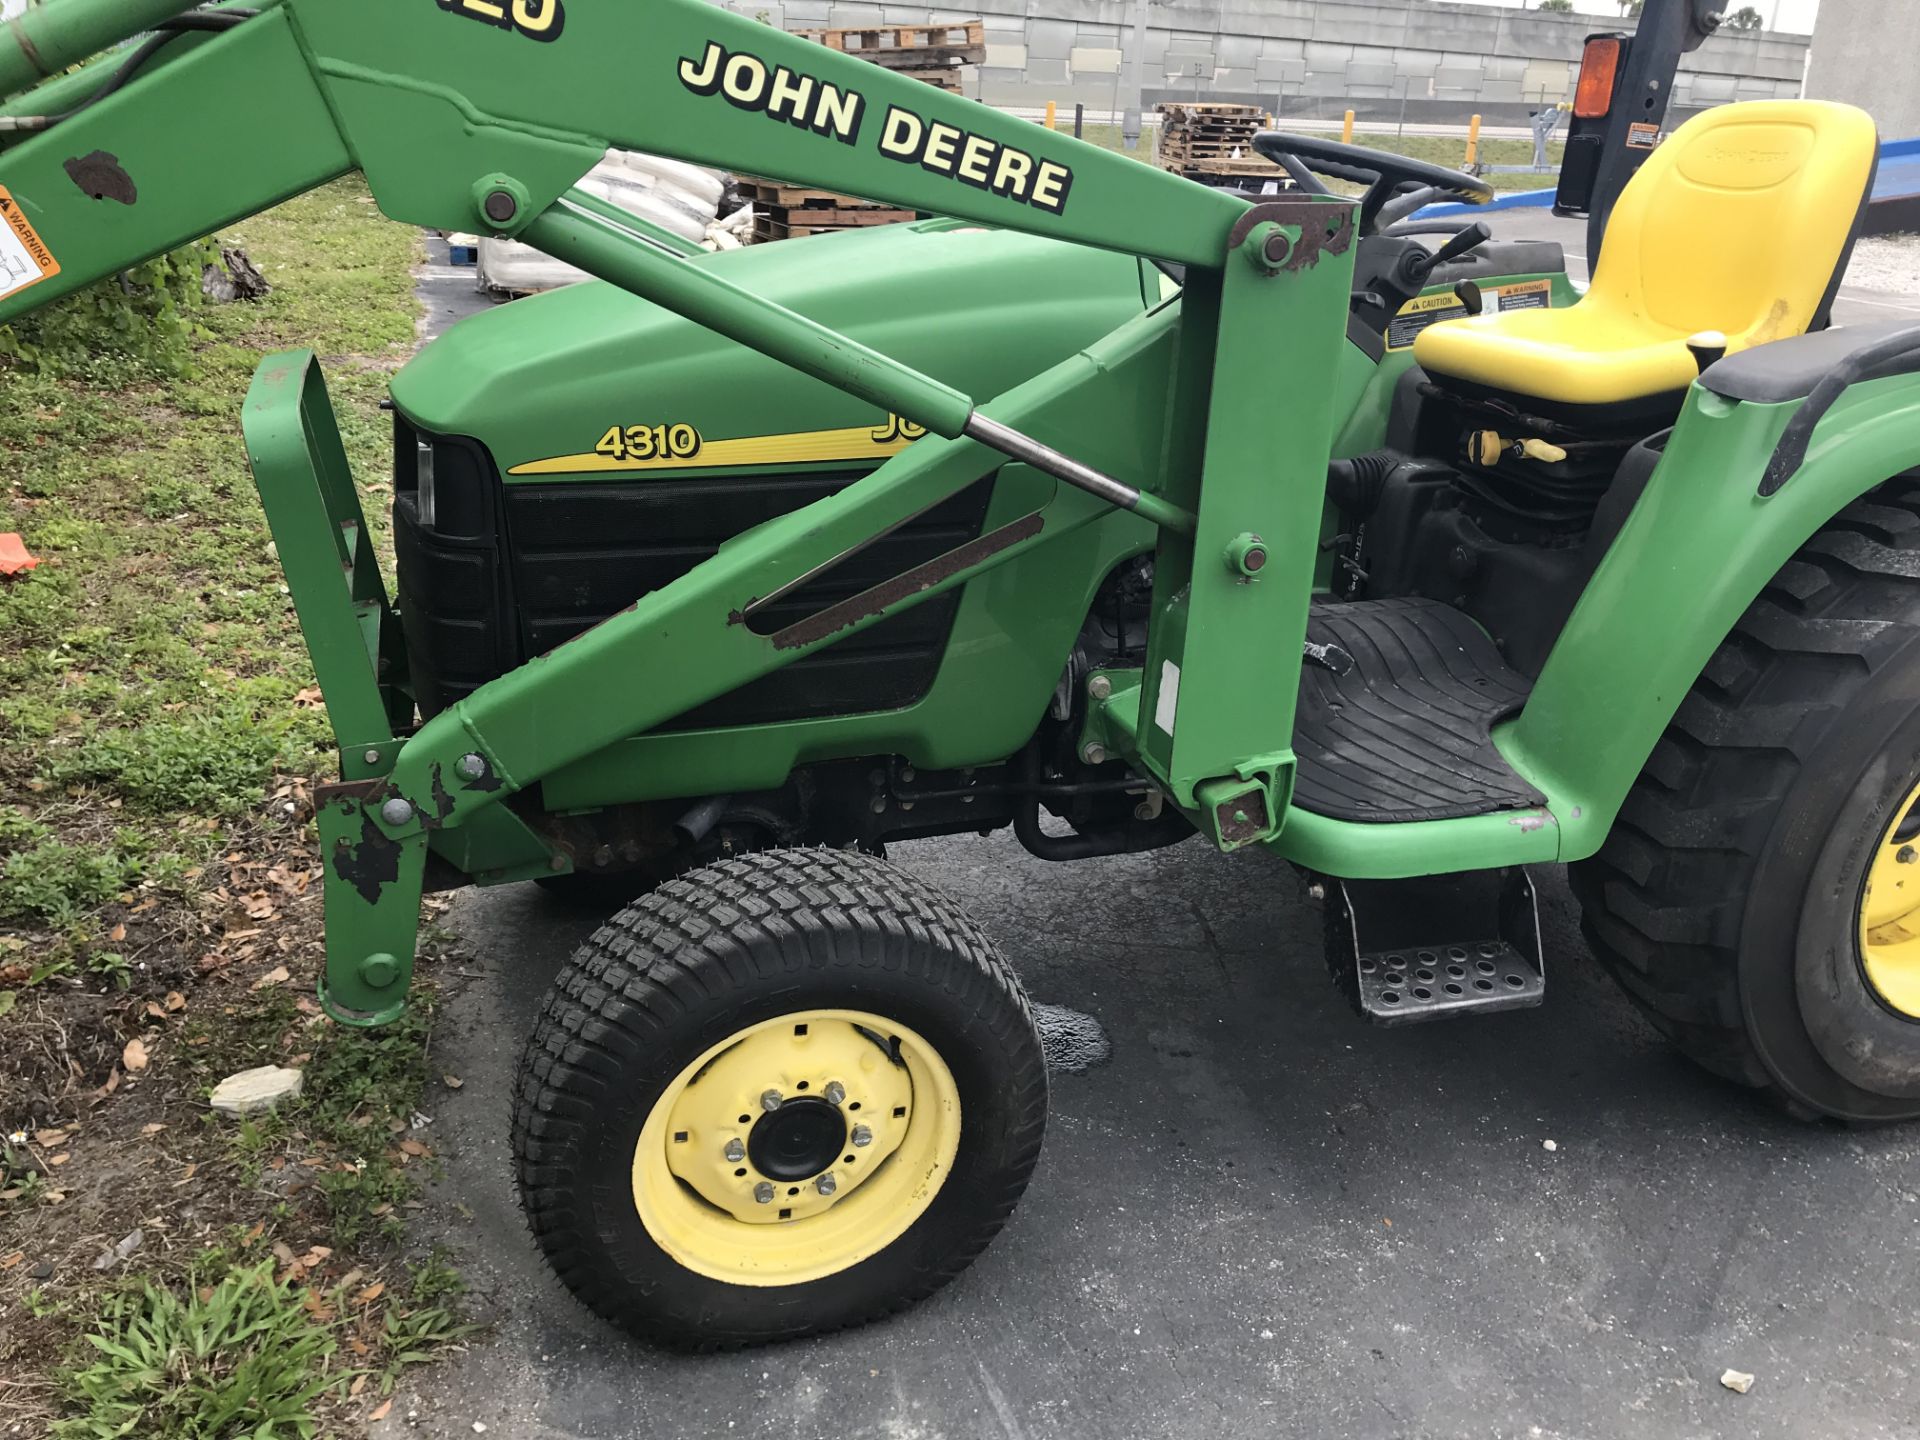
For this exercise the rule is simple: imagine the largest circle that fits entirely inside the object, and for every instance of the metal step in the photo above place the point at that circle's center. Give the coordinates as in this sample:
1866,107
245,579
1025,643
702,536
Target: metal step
1404,951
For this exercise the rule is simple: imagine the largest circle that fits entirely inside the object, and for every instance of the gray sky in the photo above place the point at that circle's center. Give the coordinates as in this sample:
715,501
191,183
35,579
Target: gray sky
1794,15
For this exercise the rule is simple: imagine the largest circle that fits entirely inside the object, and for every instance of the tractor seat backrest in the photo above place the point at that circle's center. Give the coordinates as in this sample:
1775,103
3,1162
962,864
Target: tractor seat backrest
1740,221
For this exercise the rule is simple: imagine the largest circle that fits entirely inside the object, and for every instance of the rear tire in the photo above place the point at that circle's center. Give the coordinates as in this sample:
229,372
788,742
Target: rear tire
1727,899
765,962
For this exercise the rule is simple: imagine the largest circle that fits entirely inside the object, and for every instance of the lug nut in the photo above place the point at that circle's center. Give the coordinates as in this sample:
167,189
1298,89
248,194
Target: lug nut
1907,855
826,1184
1099,687
474,767
763,1192
835,1092
735,1151
862,1135
372,757
396,811
1094,754
770,1099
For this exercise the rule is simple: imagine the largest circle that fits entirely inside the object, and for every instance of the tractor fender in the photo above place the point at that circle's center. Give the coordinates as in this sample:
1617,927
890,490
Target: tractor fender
1702,542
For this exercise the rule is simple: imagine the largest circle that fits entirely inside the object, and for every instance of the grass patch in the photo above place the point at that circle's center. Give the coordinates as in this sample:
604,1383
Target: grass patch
159,898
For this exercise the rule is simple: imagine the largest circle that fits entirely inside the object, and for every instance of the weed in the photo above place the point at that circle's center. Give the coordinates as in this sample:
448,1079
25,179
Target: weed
58,882
242,1357
216,763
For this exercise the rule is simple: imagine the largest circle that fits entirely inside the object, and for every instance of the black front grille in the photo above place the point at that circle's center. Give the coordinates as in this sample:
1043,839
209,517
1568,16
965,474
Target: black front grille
503,573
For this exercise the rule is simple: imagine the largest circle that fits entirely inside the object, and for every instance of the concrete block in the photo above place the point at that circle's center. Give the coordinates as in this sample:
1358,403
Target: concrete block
1006,57
1498,91
1327,57
1043,70
1361,24
805,14
1324,82
1455,77
855,15
1416,62
1505,67
907,14
1084,61
1240,52
1052,39
1280,70
1552,79
1382,77
1283,49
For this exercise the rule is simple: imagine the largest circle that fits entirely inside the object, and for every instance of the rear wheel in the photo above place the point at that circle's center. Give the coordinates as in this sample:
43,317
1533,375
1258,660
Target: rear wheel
1759,895
788,1093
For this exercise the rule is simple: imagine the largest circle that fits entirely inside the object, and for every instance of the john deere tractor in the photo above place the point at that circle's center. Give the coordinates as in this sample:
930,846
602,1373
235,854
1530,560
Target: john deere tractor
1099,504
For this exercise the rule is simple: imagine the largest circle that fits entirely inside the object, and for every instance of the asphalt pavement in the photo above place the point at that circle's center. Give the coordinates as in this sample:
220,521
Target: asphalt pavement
1259,1217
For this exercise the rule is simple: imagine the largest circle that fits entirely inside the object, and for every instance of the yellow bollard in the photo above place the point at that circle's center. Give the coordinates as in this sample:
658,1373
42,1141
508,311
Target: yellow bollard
1270,120
1473,141
1346,130
1051,115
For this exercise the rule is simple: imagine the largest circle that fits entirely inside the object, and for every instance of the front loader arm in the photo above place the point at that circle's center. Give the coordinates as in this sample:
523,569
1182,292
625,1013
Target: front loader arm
480,115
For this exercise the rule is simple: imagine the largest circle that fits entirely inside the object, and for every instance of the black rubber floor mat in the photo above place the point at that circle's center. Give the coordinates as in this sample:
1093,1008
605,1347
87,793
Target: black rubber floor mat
1403,734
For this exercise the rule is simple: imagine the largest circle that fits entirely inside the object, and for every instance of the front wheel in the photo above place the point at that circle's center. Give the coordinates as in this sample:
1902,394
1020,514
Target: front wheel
784,1094
1760,893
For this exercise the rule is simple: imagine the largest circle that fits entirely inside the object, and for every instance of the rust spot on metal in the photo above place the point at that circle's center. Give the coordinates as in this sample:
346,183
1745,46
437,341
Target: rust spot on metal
1318,238
1241,819
356,792
921,578
442,801
102,176
370,866
1532,820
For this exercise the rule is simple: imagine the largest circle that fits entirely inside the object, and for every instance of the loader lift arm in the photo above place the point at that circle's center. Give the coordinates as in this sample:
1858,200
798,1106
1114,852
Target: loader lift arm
481,115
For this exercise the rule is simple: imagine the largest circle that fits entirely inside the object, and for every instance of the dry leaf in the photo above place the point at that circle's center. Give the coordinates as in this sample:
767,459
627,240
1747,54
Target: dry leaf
359,1384
372,1293
276,976
49,1138
118,933
380,1411
62,1158
154,1129
175,1002
453,1082
134,1057
259,1229
9,1261
414,1148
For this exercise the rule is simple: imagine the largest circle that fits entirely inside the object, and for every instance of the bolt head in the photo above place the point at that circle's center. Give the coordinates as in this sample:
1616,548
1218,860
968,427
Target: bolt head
1100,687
1143,811
770,1100
372,757
1907,855
474,767
1094,754
908,775
396,811
1277,248
835,1092
501,206
763,1192
379,971
826,1184
735,1151
862,1135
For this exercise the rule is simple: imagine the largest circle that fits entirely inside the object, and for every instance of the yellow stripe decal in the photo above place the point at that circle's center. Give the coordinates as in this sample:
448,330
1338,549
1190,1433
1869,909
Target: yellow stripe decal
854,442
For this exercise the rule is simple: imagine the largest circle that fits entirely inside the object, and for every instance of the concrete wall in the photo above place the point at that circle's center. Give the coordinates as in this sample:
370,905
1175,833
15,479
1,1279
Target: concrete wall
1863,52
1303,57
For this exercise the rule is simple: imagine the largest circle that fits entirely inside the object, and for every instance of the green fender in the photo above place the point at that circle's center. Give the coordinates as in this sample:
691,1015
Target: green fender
1700,546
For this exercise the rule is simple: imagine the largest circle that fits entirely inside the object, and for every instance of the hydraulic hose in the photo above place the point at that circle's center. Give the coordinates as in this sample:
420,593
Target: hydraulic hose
48,38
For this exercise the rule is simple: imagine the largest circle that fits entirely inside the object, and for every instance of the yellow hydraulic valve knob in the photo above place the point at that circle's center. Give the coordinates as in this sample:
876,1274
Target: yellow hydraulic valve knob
1490,447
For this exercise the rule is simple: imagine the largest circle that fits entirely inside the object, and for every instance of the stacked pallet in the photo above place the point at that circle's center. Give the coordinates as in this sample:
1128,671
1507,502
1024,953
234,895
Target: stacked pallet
930,53
787,212
1198,136
933,53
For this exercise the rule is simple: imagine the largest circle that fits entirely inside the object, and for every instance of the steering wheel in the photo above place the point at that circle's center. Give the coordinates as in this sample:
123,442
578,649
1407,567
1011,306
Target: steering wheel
1385,175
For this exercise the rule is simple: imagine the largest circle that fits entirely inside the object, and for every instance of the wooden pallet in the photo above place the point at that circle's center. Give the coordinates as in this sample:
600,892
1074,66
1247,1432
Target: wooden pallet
784,212
908,47
795,224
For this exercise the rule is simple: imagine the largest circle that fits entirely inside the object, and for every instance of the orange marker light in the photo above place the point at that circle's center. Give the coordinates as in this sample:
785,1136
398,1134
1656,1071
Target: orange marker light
1599,68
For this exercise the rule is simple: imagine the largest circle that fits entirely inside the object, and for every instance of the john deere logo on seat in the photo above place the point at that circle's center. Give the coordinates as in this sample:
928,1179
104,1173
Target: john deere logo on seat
536,19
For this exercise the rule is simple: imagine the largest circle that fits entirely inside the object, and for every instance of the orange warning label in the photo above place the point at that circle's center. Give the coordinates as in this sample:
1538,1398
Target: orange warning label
24,258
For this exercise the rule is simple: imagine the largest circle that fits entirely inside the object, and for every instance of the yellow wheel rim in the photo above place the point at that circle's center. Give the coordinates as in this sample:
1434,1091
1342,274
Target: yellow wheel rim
717,1173
1890,913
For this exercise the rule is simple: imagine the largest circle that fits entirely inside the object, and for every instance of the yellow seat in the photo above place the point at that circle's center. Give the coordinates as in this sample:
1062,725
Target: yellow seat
1737,223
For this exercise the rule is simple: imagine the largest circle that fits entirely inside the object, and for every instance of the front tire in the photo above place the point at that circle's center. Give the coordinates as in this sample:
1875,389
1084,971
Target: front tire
787,1093
1731,900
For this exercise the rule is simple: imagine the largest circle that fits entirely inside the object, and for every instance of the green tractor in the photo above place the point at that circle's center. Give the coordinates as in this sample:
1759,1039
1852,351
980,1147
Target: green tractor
1112,508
